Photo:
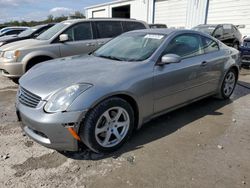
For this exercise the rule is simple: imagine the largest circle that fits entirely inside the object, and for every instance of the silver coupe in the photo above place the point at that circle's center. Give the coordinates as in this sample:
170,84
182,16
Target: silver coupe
100,98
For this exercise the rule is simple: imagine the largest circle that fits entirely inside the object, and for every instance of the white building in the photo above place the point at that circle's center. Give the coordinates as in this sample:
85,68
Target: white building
177,13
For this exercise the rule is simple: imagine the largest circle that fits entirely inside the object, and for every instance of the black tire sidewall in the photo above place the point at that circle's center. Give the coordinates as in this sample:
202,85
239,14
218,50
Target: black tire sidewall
87,127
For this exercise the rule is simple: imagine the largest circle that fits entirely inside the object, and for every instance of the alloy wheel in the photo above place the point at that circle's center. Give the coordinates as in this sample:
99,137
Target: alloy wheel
229,84
112,127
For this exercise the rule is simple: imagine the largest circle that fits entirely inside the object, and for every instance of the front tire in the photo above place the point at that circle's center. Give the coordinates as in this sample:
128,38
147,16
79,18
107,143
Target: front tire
228,84
108,125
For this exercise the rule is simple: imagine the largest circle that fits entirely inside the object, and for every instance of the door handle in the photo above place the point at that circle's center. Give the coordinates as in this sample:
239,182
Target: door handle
90,44
204,63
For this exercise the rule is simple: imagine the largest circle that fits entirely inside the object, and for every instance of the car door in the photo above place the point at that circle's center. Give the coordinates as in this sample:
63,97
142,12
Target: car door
106,30
177,83
80,40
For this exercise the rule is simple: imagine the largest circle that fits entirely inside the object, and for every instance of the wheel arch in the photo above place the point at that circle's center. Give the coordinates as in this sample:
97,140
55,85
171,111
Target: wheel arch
36,59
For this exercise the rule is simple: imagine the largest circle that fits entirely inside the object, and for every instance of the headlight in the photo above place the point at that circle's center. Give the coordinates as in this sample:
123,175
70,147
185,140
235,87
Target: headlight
61,100
11,54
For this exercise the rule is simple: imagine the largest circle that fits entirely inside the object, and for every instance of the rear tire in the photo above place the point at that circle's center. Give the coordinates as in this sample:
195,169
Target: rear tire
108,125
228,84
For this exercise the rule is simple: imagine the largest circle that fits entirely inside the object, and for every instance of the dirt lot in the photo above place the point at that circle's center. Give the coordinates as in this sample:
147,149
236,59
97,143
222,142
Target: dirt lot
206,144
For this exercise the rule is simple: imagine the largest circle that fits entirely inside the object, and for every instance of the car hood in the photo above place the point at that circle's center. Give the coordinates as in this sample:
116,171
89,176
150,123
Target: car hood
48,77
19,45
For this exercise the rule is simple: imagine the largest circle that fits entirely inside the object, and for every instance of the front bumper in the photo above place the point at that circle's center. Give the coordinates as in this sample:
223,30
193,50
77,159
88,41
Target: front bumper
11,69
49,129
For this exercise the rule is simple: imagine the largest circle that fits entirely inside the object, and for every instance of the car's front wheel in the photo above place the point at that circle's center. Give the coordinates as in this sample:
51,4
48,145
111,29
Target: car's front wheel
108,125
228,84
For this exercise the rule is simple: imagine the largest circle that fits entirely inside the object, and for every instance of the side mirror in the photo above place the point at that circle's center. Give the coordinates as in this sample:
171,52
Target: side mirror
63,38
169,58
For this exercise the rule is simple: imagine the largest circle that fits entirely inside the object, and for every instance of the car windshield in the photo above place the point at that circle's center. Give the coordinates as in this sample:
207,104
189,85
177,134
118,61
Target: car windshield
205,29
52,31
28,32
131,47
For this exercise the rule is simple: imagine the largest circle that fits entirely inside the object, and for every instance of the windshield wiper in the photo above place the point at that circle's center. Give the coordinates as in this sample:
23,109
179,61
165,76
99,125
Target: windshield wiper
110,57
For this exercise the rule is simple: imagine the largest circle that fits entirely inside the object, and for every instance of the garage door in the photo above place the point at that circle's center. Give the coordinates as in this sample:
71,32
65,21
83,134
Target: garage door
230,11
99,14
171,12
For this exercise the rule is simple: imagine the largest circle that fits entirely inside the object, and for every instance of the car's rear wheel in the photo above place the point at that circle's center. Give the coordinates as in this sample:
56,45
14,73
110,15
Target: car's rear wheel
228,84
107,126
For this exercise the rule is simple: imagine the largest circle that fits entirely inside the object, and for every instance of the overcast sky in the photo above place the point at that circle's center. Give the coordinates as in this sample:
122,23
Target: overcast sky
40,9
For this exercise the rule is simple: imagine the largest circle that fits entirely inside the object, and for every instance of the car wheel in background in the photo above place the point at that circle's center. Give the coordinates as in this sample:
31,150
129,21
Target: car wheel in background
108,125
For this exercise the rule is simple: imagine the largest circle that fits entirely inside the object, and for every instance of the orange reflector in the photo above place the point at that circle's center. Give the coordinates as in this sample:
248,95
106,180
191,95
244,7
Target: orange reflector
74,134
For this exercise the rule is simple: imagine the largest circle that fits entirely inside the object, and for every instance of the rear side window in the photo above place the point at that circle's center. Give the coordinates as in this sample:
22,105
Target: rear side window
108,29
129,26
185,45
79,32
209,45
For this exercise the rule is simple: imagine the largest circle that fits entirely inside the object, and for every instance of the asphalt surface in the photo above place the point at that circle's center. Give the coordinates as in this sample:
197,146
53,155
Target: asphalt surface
205,144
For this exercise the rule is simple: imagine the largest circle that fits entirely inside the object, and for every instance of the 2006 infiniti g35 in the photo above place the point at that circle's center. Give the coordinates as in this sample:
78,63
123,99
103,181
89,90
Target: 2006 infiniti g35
99,99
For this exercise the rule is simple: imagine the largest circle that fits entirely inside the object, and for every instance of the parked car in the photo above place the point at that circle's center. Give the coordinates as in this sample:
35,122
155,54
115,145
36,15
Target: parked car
245,52
226,33
68,38
99,99
155,26
32,32
11,31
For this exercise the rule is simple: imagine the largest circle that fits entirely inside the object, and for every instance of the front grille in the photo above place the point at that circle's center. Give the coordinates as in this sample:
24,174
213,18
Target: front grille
246,58
27,98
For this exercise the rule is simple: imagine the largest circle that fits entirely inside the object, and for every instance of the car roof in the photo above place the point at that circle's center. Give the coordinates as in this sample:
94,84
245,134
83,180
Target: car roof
212,25
163,31
101,19
43,25
169,31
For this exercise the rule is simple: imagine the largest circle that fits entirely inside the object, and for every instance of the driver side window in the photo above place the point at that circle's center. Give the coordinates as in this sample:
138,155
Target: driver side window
79,32
185,46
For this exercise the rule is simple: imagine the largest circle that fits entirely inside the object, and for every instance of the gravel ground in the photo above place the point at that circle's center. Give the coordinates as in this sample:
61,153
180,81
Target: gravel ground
205,144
